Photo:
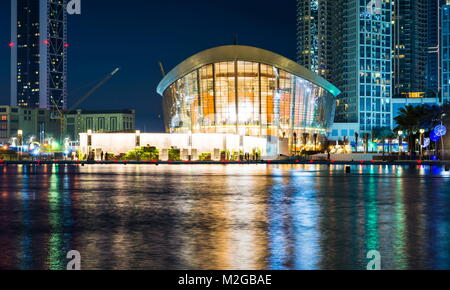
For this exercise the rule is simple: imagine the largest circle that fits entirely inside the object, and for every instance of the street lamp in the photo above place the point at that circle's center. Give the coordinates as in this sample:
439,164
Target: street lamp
422,131
442,137
400,143
20,142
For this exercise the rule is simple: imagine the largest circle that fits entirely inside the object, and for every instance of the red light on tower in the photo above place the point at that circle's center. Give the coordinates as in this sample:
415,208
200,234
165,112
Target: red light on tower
66,45
11,44
46,42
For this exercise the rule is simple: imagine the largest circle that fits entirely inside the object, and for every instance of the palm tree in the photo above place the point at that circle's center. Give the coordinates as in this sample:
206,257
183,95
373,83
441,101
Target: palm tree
410,120
381,134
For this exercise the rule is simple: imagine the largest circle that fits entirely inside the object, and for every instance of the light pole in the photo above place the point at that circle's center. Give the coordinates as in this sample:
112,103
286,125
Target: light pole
422,131
400,143
20,142
442,137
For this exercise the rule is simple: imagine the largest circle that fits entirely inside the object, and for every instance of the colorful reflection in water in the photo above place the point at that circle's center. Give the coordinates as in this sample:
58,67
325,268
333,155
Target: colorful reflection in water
224,217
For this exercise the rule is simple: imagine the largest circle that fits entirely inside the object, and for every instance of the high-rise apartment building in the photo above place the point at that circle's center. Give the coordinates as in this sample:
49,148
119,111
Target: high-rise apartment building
445,52
433,70
352,41
368,65
39,53
411,42
319,37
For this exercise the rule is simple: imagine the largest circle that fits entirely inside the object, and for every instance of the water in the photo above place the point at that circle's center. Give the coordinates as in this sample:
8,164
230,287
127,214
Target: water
224,217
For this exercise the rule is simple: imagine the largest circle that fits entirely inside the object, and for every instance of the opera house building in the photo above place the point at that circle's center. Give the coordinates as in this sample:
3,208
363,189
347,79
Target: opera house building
248,91
235,98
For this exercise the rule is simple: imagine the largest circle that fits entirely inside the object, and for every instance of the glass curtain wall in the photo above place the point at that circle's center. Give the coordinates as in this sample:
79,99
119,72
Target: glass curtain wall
247,98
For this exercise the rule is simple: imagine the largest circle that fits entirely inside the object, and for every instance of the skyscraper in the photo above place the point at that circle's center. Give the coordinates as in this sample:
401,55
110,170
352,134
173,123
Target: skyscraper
356,47
39,53
410,47
434,39
319,37
445,52
368,66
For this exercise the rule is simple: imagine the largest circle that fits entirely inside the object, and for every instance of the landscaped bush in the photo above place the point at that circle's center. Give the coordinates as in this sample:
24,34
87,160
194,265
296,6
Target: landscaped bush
143,153
174,154
205,157
234,155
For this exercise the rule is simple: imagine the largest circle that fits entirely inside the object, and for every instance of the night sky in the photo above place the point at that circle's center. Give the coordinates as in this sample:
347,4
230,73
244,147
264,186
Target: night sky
136,34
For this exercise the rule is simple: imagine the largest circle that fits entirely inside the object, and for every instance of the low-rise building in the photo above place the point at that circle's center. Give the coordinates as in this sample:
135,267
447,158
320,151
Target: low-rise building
41,125
102,121
32,123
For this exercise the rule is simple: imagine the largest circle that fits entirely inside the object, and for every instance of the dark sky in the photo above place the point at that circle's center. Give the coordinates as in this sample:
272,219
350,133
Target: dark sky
136,34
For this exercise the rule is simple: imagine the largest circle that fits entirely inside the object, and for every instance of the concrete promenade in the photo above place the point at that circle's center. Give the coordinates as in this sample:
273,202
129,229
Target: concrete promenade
269,162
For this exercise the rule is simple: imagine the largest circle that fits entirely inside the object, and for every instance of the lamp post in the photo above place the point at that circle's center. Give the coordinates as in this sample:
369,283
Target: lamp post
442,137
20,142
400,143
422,131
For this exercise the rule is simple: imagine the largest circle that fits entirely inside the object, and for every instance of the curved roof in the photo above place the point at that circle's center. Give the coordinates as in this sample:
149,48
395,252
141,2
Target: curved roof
244,53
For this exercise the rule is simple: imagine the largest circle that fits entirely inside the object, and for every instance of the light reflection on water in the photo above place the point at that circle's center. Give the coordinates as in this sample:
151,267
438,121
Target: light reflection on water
224,217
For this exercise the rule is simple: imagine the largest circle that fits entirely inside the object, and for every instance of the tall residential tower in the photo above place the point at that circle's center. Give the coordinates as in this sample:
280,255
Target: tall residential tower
353,41
433,72
319,37
39,53
445,52
410,47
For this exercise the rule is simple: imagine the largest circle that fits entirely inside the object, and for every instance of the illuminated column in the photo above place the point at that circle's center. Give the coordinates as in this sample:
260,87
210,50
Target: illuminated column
19,142
138,138
20,137
89,141
190,145
241,144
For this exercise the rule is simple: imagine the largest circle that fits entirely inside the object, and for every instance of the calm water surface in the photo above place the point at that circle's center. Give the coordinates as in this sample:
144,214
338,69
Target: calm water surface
224,217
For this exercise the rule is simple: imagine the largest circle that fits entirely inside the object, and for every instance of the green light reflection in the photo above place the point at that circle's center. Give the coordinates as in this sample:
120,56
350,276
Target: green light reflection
56,256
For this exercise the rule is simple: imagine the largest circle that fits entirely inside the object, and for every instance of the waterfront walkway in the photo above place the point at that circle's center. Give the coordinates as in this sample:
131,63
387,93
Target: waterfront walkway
280,162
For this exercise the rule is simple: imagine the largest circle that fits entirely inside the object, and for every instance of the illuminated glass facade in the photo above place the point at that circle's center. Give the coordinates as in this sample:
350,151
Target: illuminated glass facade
350,43
248,98
39,53
319,37
445,50
368,65
410,46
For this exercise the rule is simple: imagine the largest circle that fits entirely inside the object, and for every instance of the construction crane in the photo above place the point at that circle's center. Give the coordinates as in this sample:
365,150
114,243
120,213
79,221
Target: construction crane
58,113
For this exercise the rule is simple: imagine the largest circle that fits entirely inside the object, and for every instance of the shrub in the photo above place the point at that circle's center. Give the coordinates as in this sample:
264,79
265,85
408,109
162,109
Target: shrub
174,154
143,153
205,157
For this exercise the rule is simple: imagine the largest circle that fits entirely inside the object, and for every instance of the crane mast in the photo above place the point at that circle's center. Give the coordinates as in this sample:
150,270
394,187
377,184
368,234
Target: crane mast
58,113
